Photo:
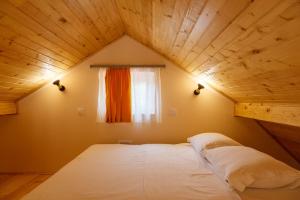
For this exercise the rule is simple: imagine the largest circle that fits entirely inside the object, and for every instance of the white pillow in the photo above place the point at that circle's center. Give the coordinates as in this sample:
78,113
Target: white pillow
243,167
210,140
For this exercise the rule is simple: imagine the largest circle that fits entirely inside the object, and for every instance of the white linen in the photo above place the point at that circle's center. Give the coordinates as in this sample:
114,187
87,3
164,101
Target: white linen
134,172
245,167
145,94
204,141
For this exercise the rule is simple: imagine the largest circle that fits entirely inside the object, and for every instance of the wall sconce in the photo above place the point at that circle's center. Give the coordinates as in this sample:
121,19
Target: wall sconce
197,91
60,87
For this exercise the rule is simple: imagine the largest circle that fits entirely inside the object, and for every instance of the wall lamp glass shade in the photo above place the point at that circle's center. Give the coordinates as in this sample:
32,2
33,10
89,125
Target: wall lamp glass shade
197,91
60,86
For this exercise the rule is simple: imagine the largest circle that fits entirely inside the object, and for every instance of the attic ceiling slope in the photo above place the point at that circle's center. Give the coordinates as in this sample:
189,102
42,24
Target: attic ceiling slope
42,39
247,49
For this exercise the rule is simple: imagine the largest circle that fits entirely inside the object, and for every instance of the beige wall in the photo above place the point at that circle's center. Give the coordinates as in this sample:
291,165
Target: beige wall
48,132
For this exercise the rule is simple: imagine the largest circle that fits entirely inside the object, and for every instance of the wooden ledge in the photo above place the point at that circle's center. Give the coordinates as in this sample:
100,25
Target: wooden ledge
8,108
273,112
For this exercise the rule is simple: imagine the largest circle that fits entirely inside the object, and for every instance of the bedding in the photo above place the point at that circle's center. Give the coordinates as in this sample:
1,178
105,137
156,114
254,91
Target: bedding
138,172
203,141
243,167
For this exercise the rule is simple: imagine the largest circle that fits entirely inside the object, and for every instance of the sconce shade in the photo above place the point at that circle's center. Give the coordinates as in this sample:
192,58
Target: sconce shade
60,87
197,91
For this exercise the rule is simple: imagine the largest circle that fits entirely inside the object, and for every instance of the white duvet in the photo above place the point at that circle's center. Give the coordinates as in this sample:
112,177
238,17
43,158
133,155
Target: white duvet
134,172
144,172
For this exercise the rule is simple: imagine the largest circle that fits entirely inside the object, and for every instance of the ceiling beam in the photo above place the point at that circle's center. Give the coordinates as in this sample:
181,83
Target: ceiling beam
8,108
273,112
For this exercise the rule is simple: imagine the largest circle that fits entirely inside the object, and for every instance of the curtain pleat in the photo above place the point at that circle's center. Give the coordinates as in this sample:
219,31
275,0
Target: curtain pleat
118,95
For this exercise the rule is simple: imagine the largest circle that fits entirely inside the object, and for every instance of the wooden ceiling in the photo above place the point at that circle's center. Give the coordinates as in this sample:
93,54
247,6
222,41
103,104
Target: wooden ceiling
247,49
41,39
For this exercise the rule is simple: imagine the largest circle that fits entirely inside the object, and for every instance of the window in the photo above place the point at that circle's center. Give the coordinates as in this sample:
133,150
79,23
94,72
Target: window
145,95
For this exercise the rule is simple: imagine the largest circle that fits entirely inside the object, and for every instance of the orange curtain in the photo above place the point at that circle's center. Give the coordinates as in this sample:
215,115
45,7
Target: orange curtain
118,95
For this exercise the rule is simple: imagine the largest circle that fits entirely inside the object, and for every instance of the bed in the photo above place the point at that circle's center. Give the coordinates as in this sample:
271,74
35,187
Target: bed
144,172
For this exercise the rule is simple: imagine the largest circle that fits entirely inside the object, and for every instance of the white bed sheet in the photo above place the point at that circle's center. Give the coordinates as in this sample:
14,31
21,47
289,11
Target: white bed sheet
137,172
134,172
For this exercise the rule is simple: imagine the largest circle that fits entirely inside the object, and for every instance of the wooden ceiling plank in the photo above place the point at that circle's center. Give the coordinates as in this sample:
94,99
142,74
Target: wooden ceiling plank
205,18
272,26
255,71
7,108
83,19
262,92
242,25
12,90
265,80
137,18
18,69
37,37
168,18
224,18
25,25
15,38
280,46
15,80
8,45
18,73
15,85
247,49
62,8
194,10
261,87
278,113
27,62
275,96
106,20
41,16
109,13
266,60
286,87
67,26
283,99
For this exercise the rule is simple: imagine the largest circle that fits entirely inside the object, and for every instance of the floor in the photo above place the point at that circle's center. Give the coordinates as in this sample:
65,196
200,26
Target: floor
15,186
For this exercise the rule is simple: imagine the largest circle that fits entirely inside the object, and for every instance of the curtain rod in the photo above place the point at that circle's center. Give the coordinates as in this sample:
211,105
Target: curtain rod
118,66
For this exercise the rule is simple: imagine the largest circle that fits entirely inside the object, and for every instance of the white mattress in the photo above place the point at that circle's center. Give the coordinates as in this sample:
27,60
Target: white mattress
141,172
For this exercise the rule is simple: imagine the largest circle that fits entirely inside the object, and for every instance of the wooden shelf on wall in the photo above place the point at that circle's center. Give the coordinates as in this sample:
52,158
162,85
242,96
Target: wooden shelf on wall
288,114
7,108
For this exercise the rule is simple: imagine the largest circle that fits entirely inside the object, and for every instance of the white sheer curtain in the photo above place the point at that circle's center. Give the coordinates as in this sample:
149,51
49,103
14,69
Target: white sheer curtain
145,94
101,110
